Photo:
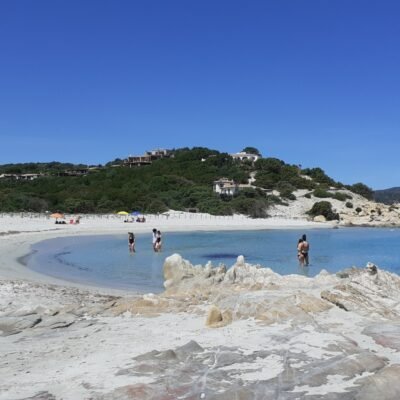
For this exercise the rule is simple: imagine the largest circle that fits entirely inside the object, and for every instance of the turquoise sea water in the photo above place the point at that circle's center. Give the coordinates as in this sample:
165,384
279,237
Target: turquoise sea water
106,261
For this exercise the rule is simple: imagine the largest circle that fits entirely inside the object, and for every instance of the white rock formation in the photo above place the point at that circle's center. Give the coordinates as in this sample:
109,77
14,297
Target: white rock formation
371,214
246,332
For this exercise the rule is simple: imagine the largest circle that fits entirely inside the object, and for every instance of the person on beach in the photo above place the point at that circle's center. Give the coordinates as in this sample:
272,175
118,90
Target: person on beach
300,255
154,238
131,242
305,248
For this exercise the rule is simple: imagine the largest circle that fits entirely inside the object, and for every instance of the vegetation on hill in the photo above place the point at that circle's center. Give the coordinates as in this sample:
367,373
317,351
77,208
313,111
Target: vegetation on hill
362,190
182,182
251,150
52,168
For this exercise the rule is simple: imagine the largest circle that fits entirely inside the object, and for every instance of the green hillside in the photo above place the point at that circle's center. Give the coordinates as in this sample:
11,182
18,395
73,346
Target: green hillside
180,183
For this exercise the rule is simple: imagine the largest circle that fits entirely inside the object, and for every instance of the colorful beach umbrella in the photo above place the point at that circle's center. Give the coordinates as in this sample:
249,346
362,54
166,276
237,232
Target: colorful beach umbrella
122,213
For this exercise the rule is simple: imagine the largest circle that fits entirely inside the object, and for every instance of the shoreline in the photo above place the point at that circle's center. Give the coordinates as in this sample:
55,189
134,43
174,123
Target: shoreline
16,244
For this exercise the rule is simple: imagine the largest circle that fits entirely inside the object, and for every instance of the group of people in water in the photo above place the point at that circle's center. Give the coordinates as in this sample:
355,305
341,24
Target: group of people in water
156,241
303,248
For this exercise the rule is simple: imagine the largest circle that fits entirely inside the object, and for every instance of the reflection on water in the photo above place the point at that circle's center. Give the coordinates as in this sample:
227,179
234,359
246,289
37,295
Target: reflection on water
105,260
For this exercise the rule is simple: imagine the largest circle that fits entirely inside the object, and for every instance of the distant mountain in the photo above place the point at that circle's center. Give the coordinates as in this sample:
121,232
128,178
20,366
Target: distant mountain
388,196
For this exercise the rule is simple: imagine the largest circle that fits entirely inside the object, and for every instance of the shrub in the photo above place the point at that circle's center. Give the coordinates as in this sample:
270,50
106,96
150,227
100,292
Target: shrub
349,204
339,196
156,206
323,208
254,208
358,210
362,190
319,176
308,195
287,194
321,193
272,199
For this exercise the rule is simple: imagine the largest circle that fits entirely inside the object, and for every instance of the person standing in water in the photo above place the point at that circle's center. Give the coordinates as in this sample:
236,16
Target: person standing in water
157,246
154,239
131,242
305,248
300,255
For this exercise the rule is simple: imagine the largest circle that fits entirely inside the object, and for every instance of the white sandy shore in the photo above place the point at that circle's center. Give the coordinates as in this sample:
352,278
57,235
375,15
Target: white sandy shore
18,233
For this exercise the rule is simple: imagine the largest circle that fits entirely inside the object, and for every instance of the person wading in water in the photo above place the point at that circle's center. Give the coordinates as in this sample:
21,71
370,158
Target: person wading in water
300,255
131,242
305,248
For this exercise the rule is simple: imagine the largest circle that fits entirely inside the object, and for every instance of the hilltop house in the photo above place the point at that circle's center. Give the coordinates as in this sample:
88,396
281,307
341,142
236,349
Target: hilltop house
22,177
242,156
225,186
147,158
74,172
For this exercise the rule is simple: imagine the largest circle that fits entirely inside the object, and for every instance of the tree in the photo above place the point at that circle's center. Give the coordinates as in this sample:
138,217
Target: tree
116,161
319,176
271,165
323,208
251,150
362,190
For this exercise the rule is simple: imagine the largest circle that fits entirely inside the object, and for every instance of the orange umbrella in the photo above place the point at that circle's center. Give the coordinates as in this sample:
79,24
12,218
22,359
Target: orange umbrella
57,215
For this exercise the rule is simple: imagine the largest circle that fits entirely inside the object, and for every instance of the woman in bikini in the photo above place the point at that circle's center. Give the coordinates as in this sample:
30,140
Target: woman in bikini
131,242
305,248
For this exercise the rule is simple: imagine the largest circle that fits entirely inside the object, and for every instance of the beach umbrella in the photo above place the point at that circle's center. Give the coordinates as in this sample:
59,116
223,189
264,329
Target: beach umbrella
135,213
122,213
57,215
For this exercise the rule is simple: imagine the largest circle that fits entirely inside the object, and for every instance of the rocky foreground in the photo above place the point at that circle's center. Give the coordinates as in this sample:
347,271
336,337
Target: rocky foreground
242,333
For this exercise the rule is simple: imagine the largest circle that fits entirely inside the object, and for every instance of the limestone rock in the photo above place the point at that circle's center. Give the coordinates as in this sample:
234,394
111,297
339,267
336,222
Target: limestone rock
384,385
181,276
176,268
217,319
148,305
319,218
42,396
13,325
386,335
371,291
57,321
214,316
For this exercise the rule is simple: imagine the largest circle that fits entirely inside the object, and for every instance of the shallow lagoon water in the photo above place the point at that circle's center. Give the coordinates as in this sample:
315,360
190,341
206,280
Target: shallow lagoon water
105,260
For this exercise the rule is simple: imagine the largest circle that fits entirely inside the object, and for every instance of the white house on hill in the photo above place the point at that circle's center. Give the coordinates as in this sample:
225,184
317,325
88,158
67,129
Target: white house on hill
225,186
245,156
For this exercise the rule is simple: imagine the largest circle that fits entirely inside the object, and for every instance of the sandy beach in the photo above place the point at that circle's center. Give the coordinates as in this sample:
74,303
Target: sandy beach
236,333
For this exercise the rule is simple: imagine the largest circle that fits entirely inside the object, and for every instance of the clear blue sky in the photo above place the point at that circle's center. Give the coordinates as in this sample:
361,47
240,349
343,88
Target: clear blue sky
312,82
